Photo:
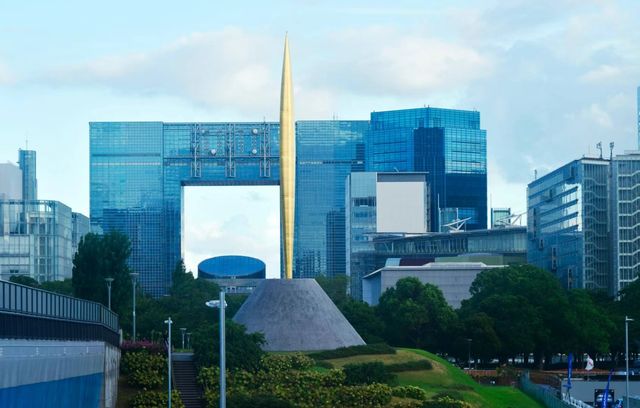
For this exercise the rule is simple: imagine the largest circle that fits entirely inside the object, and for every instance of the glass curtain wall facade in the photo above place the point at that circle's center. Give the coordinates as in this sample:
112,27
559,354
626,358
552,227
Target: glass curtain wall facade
27,162
327,152
139,169
36,240
360,202
449,145
625,220
568,224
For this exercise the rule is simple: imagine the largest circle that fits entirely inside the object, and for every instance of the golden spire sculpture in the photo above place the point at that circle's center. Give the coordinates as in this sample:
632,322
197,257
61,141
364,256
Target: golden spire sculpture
287,163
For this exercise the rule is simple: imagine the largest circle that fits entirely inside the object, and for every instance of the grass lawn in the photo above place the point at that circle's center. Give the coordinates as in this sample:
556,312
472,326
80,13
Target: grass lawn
444,377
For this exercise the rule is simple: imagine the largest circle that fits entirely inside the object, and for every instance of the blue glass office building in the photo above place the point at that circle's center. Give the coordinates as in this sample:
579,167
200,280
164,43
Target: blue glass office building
445,143
568,224
327,151
139,169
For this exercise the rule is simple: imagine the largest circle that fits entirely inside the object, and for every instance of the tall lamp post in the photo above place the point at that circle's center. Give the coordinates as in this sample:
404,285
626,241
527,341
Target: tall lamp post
183,330
168,322
221,304
134,279
627,319
109,282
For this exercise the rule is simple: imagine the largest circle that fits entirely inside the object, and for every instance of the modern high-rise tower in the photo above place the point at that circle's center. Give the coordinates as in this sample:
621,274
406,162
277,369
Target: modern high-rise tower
27,162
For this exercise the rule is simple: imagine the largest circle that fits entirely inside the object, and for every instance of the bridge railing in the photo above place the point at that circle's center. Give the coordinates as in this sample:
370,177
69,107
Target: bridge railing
25,301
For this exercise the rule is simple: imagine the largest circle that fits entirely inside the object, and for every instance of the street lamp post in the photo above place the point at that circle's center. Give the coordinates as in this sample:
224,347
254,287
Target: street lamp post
183,330
109,282
221,304
168,322
469,353
627,319
134,276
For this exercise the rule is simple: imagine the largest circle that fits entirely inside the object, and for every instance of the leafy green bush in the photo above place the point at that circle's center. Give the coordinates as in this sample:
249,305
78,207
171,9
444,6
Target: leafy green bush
143,369
257,401
367,349
416,365
405,403
367,373
446,402
362,396
409,391
283,362
155,399
456,395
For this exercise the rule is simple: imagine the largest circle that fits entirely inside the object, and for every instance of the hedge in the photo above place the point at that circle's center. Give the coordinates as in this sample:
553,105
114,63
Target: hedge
409,391
144,370
416,365
367,373
155,399
367,349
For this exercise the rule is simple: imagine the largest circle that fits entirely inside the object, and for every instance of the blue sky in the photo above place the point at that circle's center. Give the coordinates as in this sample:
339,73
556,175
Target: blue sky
550,78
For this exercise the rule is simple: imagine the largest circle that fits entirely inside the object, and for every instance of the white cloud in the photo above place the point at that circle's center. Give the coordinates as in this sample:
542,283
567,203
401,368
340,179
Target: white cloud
601,73
231,69
6,76
382,61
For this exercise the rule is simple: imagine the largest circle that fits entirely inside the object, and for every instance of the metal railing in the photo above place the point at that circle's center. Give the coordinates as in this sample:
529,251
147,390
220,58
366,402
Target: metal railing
27,301
546,395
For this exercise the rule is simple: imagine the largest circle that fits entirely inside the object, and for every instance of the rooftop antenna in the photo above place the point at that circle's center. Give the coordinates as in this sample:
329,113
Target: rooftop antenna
599,147
535,174
611,145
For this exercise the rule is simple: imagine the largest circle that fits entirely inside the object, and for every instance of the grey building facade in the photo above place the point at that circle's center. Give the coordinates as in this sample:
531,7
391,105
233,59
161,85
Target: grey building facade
453,279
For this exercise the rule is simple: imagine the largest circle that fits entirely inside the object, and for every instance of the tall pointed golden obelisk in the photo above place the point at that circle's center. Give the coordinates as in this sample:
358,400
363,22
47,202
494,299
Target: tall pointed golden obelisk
287,163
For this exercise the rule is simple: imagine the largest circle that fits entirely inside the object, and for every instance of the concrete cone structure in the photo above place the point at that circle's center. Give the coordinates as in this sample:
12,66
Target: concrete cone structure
296,315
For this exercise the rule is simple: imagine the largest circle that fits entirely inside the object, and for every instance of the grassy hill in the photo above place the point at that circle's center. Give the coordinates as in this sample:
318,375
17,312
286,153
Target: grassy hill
445,378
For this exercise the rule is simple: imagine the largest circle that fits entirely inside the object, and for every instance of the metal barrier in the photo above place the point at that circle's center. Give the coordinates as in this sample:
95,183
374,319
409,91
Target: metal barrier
548,396
29,312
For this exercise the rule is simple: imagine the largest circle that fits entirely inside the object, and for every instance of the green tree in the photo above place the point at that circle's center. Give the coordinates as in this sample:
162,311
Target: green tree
243,349
64,287
591,326
24,280
416,315
529,309
100,257
361,316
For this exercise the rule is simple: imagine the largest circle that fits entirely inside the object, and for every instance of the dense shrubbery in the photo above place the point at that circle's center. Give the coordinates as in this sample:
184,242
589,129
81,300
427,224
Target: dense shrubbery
156,399
281,362
257,401
415,365
367,349
143,345
409,391
367,373
144,370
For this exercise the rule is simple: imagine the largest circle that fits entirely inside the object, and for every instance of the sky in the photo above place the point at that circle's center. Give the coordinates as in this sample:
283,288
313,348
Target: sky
551,78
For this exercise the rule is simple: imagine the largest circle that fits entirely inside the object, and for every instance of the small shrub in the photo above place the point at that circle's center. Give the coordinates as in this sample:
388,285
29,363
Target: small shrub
367,349
143,369
409,391
405,403
416,365
155,399
283,362
446,402
257,401
150,347
367,373
456,395
362,396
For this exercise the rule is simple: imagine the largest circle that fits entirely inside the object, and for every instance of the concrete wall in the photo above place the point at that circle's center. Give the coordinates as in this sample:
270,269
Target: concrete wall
41,373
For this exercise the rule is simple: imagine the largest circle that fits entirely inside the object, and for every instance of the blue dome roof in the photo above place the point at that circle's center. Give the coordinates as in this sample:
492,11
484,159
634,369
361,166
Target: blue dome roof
232,266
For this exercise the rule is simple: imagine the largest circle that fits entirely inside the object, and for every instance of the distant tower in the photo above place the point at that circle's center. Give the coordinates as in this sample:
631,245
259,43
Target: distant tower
638,115
287,163
27,162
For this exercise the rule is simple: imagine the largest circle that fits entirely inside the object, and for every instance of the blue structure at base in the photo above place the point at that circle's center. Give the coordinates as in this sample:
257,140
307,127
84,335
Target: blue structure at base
80,392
